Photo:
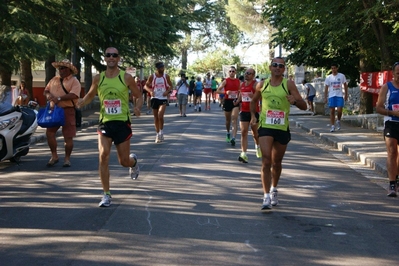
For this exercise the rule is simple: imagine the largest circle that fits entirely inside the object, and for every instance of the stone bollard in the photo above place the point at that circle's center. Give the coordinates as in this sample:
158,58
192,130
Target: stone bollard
320,108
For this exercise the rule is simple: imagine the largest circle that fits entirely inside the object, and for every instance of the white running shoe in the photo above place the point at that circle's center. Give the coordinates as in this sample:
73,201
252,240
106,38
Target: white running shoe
161,138
332,129
157,140
134,170
274,200
338,125
105,201
266,204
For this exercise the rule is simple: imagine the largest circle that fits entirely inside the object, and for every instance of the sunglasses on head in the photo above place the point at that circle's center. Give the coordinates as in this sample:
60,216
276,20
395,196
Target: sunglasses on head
274,64
114,55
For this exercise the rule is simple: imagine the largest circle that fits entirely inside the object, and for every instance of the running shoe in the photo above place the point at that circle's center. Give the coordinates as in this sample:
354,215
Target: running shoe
105,201
274,199
148,112
199,109
258,152
134,170
228,138
332,129
392,191
161,138
157,139
243,158
266,204
233,142
338,125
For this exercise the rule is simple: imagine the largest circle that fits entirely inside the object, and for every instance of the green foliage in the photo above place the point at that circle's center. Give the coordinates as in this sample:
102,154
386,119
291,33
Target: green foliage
213,62
322,32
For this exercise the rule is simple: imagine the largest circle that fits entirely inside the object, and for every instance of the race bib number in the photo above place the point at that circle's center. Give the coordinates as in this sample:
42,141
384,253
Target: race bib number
275,117
113,107
245,97
233,94
395,107
158,91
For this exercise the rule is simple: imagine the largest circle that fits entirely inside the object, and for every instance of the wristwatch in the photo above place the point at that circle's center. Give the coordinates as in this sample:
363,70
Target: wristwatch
59,98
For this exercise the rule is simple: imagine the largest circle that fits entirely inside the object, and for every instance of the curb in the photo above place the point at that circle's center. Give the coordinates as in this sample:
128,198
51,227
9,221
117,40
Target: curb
346,149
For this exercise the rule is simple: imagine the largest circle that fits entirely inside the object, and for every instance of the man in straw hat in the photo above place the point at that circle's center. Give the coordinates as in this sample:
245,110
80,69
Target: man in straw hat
56,95
113,86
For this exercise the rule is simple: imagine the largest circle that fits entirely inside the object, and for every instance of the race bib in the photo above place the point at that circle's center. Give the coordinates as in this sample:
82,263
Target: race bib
395,107
233,94
275,117
158,91
113,107
245,97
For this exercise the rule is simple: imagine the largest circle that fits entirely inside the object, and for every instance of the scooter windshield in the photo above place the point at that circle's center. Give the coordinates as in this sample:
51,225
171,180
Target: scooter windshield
5,99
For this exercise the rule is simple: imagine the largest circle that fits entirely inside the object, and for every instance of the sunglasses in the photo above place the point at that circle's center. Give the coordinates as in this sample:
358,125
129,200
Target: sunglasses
62,68
232,71
248,73
278,65
114,55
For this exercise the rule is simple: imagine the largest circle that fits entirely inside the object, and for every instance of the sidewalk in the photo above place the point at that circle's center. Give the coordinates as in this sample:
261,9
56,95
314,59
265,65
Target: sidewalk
364,145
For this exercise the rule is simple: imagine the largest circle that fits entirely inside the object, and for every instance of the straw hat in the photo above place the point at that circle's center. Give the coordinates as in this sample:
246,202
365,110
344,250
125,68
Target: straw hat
67,64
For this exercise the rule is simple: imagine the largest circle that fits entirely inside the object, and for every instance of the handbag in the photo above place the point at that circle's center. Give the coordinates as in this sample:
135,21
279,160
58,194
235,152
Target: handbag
78,112
47,117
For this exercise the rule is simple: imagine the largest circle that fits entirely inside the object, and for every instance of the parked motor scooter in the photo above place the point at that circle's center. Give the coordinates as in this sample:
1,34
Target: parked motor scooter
17,124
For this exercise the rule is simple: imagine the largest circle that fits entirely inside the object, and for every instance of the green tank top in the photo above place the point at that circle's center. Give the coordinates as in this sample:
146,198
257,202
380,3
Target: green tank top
114,98
275,106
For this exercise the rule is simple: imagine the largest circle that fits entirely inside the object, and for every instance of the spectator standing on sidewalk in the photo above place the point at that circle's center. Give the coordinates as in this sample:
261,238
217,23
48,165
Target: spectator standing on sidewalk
229,87
247,91
388,105
113,86
334,96
159,86
310,94
55,94
182,94
277,94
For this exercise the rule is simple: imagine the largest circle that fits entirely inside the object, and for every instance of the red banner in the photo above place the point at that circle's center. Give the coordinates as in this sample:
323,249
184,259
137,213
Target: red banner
372,81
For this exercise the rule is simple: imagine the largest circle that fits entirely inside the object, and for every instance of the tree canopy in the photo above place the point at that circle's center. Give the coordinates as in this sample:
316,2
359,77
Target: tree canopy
318,33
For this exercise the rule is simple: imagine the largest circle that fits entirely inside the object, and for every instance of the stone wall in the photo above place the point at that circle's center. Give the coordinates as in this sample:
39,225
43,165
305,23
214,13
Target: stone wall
370,121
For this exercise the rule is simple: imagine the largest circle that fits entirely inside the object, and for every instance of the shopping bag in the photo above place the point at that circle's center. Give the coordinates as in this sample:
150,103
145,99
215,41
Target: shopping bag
47,117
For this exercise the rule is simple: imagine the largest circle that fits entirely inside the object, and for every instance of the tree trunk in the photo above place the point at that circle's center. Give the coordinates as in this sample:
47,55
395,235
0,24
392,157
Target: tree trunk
5,77
88,76
50,70
382,33
26,74
184,60
366,98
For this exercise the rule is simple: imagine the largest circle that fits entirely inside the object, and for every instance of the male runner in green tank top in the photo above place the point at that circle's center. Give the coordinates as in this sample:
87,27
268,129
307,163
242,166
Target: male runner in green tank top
276,95
112,87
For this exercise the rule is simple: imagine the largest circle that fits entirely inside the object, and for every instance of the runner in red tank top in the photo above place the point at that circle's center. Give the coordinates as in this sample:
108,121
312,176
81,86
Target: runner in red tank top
229,88
247,90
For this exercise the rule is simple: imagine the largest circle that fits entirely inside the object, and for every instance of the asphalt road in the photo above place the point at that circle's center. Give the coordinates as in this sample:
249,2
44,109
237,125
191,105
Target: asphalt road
194,204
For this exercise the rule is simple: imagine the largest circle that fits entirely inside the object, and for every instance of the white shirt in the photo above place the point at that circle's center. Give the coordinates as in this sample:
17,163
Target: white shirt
334,84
